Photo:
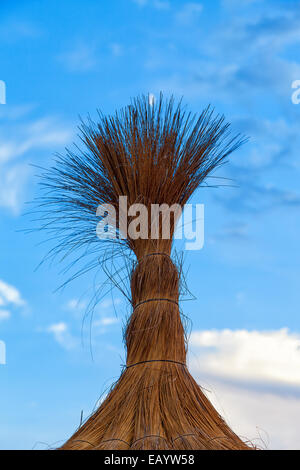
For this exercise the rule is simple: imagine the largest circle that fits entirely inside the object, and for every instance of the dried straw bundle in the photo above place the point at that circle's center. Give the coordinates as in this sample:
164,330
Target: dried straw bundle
153,154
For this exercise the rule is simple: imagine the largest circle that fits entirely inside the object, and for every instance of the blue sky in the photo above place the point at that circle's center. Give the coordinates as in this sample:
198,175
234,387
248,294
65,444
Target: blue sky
63,59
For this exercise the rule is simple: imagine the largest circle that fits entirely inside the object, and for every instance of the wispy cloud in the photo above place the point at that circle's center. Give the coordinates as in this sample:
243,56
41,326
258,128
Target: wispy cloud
81,58
237,3
16,30
116,49
140,3
251,75
10,295
189,12
13,112
258,198
108,303
233,231
4,314
105,321
273,28
13,181
18,140
253,68
62,335
37,134
10,298
272,150
76,305
161,4
157,4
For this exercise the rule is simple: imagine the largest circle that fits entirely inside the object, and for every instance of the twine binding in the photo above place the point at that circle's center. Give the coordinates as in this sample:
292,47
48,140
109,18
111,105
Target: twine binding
156,360
155,300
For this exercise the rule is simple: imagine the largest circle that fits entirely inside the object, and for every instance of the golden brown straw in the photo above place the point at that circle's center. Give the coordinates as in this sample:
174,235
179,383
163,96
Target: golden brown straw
153,154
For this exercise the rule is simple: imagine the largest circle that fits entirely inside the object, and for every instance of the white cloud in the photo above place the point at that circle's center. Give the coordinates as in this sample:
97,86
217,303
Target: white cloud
2,352
105,321
107,303
12,187
76,304
79,304
268,357
268,420
104,318
57,328
10,295
4,314
253,379
62,335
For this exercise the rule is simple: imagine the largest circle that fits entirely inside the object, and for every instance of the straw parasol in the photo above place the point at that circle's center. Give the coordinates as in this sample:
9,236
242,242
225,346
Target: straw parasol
152,154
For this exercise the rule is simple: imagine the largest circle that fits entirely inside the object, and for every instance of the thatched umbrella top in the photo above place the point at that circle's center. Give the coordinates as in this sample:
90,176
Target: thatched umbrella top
152,153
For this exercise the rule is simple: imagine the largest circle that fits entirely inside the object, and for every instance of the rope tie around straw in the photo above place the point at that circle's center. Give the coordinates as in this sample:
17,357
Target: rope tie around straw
155,300
156,360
